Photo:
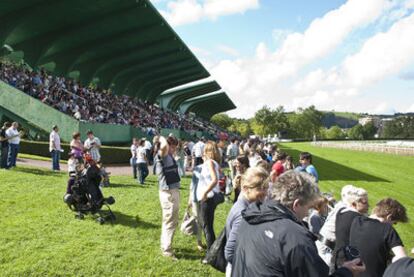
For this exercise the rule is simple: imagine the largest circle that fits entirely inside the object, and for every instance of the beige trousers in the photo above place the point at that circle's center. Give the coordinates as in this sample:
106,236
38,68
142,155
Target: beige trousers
170,203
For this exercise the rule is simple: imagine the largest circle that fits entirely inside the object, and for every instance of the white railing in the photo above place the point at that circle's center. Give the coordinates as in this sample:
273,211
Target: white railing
385,147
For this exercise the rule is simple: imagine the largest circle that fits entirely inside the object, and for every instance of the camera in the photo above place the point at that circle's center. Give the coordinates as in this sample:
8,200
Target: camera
351,253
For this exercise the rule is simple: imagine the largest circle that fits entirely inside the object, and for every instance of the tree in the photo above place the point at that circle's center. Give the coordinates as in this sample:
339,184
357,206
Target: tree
401,127
356,132
242,127
305,123
222,120
334,133
268,122
369,130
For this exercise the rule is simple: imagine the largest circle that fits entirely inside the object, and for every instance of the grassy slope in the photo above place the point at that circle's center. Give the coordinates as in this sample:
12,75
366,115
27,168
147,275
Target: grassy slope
382,175
40,237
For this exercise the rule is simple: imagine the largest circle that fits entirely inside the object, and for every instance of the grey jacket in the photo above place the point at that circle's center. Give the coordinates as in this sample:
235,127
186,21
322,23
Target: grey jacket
232,226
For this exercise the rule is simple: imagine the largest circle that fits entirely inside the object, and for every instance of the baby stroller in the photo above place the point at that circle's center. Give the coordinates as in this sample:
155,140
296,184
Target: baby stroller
85,196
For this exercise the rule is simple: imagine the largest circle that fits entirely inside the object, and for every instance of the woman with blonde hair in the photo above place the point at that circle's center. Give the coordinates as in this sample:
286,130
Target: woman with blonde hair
254,184
208,192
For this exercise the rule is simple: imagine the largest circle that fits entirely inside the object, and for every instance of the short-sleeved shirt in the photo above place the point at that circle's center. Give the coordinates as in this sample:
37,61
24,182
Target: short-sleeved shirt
54,141
134,151
198,149
93,149
344,219
312,171
374,241
278,168
13,133
141,154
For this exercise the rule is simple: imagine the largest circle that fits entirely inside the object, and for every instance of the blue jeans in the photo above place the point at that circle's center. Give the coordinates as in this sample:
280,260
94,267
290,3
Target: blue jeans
143,172
55,159
133,162
13,150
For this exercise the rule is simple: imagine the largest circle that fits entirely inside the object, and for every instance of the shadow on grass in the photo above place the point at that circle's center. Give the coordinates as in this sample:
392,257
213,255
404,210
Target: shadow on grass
36,171
188,254
133,221
115,185
334,171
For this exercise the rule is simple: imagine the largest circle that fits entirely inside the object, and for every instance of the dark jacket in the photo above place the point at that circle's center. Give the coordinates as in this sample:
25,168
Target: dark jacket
273,242
404,267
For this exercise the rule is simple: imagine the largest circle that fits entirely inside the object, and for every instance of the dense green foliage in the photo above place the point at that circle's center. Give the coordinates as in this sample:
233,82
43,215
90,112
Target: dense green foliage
401,127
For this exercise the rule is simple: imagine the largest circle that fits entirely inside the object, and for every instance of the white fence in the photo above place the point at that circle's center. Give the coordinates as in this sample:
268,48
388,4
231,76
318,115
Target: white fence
391,147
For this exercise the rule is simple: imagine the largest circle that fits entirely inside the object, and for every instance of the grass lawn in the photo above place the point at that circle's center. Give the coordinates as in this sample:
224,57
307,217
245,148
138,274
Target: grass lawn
40,237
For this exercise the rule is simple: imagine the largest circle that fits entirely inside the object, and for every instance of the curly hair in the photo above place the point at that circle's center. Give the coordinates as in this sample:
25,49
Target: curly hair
392,208
293,185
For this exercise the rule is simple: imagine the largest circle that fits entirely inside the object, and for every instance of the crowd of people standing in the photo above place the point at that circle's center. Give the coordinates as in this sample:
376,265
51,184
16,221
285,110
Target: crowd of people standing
280,224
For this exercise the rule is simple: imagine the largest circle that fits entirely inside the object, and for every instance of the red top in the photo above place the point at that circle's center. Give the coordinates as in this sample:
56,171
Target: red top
278,168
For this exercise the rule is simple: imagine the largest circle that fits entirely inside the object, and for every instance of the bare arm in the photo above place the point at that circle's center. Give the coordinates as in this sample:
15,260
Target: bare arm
399,253
163,147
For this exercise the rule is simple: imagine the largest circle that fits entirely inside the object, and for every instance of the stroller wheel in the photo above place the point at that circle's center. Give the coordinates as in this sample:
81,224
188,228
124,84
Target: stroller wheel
101,220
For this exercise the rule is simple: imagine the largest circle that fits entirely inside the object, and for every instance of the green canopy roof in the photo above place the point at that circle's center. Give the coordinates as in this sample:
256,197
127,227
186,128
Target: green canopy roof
173,98
123,43
208,105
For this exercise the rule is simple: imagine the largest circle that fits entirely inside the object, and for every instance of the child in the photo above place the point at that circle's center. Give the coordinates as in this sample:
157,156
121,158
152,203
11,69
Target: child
318,215
105,175
72,163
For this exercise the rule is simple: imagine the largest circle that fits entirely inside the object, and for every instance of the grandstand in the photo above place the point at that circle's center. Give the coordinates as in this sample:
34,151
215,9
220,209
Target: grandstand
125,49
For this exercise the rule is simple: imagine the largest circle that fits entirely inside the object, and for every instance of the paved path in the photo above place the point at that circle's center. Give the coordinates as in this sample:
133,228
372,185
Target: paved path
115,169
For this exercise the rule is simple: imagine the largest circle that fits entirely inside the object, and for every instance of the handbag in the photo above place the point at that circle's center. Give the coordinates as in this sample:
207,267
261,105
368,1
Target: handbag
189,224
215,255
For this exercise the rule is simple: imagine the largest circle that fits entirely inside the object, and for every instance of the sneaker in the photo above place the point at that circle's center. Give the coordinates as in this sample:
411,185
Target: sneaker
204,261
201,247
170,255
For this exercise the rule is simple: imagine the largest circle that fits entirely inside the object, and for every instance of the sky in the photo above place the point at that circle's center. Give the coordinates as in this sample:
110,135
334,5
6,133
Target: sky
353,56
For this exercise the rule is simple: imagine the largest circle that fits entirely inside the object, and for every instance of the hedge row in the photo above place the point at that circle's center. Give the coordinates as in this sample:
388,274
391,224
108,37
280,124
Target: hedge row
110,155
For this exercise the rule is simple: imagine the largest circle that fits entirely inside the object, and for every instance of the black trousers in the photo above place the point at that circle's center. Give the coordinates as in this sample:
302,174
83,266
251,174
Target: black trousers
207,209
4,156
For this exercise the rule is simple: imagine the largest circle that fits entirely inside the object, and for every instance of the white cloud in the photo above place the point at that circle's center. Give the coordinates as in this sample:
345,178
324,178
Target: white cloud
410,109
228,50
279,35
216,8
384,54
260,79
180,12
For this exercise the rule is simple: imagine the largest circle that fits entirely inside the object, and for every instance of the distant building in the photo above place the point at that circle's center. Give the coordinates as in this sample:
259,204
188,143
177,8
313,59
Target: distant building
367,119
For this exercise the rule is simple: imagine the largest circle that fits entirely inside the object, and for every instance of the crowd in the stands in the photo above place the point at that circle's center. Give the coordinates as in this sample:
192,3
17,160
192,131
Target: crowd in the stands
92,104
